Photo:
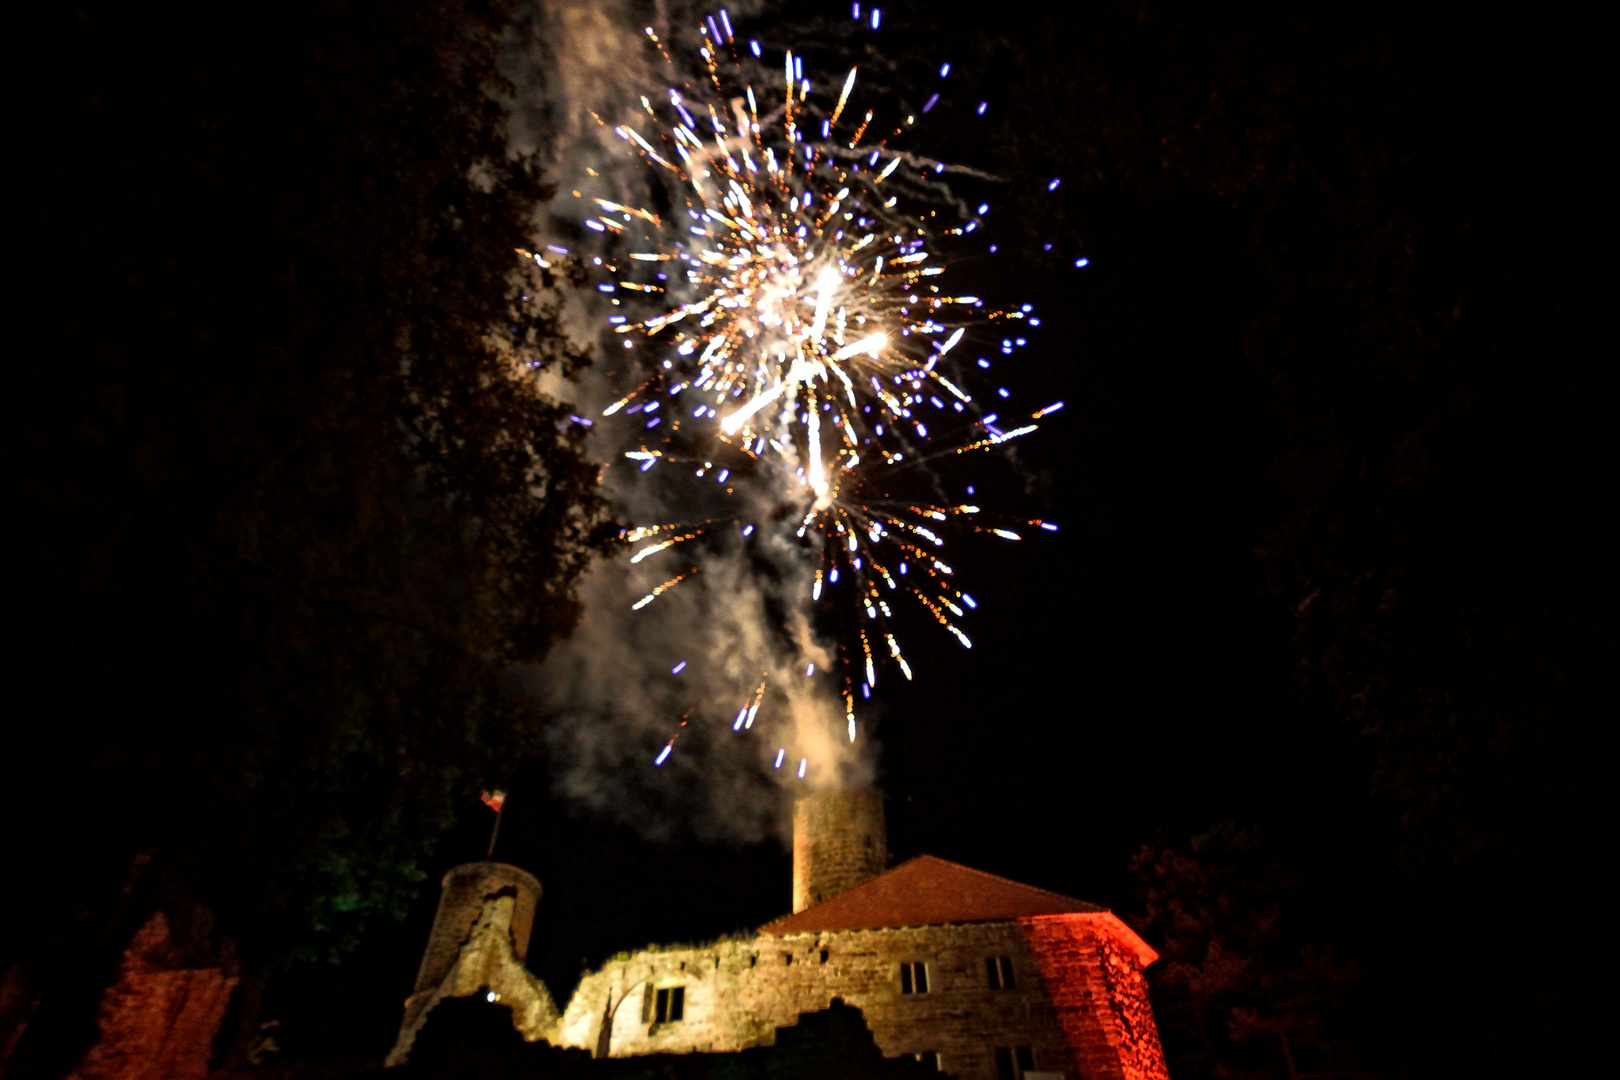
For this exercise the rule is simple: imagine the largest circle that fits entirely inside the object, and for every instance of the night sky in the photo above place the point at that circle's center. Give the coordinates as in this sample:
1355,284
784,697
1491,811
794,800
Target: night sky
1129,678
1333,482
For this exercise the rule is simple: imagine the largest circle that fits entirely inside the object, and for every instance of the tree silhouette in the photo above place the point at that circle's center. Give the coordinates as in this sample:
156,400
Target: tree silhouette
291,495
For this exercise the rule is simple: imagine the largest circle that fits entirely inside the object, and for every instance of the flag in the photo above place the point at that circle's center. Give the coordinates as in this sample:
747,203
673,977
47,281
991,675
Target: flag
494,799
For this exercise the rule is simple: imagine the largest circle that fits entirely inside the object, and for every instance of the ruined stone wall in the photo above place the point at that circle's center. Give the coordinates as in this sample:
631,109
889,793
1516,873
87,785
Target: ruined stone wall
1100,997
839,841
464,890
158,1019
485,963
738,992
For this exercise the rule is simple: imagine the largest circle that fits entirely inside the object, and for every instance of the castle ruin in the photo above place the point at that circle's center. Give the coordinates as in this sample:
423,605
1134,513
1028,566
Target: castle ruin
976,975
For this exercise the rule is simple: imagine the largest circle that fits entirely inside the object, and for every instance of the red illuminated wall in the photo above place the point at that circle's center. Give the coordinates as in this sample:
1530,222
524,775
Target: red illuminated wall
1096,984
159,1019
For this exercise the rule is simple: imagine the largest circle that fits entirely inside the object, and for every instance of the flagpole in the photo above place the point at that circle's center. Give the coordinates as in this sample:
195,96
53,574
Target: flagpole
489,856
496,801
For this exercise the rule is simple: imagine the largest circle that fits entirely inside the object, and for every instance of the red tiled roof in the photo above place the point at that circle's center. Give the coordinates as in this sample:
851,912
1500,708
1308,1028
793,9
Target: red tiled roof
926,891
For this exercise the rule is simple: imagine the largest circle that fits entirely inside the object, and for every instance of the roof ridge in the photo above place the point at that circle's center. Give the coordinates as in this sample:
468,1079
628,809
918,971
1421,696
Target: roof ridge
986,874
927,890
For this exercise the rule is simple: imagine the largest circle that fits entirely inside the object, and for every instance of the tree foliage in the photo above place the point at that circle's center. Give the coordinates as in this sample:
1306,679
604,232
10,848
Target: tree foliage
285,491
1425,229
1237,993
1416,192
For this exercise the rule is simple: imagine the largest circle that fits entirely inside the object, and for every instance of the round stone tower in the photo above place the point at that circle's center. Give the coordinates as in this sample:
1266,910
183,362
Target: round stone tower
465,890
839,841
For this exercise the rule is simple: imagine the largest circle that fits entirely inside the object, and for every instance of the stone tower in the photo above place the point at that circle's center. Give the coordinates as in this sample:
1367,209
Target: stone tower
465,889
839,841
479,941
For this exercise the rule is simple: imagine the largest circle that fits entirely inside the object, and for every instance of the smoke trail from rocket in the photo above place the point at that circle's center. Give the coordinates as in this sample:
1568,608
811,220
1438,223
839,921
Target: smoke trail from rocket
611,700
755,266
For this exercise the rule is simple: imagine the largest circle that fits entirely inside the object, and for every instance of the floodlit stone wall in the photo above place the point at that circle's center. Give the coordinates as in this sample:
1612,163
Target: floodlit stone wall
462,895
737,992
1100,997
1075,1005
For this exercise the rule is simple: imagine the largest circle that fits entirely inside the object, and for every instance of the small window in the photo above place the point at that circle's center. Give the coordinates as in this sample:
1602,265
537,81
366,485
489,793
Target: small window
998,971
914,977
670,1005
824,955
931,1058
1012,1062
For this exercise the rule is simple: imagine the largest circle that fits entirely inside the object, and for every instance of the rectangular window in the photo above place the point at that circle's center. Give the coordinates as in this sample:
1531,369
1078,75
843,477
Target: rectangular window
998,972
670,1005
933,1059
914,977
1012,1062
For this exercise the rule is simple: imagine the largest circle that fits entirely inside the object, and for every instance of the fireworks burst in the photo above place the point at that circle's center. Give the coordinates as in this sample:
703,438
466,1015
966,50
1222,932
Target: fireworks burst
799,334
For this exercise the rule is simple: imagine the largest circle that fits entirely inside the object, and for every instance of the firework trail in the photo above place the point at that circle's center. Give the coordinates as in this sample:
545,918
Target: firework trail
788,349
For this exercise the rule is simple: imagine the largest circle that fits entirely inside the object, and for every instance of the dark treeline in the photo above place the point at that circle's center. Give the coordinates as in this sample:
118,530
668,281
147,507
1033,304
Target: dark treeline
283,496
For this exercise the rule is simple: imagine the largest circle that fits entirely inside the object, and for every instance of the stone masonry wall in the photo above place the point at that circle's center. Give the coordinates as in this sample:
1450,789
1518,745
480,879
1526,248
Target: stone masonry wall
738,992
486,963
1100,997
838,843
158,1019
464,891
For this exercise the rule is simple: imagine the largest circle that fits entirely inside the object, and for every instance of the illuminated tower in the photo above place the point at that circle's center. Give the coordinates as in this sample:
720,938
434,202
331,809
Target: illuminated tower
466,891
479,940
839,841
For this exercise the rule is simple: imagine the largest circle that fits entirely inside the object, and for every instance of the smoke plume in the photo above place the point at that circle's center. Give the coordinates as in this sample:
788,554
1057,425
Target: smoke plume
615,693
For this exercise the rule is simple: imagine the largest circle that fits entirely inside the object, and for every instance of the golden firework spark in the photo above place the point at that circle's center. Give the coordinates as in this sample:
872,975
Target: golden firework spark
807,338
